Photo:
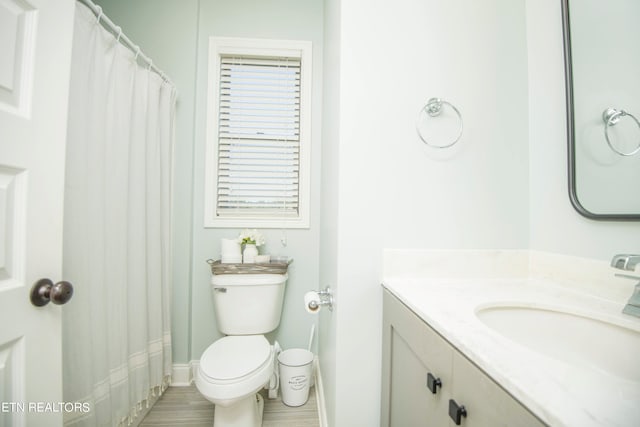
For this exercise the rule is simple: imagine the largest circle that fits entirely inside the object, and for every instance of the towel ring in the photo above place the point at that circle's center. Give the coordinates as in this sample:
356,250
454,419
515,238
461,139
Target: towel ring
611,117
433,108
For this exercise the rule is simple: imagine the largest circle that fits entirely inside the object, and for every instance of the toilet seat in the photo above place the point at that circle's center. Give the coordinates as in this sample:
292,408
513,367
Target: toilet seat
234,368
234,358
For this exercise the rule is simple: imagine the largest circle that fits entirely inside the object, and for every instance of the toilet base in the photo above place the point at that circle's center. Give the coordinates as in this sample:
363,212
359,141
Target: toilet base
245,413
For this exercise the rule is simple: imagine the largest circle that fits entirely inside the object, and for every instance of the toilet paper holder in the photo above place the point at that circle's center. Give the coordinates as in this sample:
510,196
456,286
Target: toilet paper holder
326,300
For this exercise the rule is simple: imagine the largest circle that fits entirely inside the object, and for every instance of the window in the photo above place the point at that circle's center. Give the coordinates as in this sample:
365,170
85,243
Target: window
258,133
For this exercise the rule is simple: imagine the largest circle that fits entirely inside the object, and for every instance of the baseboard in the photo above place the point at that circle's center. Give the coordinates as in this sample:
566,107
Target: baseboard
182,374
322,408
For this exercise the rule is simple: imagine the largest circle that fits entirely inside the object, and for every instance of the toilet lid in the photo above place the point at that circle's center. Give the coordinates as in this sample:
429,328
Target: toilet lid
235,356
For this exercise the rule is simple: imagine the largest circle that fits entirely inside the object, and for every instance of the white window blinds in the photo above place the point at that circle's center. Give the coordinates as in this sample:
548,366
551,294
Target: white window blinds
258,137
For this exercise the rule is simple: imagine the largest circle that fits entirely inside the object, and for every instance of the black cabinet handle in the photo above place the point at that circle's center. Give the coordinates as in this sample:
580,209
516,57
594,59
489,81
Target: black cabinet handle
456,412
433,383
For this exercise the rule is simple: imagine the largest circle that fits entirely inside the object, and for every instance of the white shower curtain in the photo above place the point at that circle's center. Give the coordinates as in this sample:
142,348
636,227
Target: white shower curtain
117,339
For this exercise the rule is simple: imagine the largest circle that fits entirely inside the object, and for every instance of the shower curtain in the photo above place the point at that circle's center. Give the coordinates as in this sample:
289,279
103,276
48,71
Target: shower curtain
116,339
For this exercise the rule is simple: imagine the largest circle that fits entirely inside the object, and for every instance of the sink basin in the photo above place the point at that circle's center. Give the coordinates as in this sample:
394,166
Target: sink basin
574,339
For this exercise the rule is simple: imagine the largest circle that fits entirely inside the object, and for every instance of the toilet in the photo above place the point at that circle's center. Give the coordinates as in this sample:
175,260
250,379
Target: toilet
234,368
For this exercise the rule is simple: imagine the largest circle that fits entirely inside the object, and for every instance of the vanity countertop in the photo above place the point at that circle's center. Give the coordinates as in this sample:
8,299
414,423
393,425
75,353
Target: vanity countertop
560,393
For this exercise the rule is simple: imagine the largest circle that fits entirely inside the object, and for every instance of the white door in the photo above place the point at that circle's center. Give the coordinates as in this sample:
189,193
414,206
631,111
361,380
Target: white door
35,56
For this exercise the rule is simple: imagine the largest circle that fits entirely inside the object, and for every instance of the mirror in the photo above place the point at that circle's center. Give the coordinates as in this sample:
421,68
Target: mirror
602,71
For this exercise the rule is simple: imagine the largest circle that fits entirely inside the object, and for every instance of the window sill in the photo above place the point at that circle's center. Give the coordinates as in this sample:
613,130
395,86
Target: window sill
248,222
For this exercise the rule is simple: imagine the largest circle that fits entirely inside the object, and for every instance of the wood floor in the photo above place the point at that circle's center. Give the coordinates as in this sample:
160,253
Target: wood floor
185,406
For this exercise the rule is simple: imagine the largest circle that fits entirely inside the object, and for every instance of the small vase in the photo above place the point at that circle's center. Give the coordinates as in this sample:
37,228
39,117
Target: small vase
249,254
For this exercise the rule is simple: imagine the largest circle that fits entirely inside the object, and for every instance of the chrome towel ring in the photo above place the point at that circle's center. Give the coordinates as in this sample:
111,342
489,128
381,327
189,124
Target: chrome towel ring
433,108
611,117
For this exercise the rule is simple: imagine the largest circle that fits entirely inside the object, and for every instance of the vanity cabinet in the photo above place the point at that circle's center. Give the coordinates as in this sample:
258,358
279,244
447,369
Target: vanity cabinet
426,382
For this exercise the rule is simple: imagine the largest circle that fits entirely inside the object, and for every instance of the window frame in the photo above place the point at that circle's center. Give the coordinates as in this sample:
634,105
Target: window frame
224,46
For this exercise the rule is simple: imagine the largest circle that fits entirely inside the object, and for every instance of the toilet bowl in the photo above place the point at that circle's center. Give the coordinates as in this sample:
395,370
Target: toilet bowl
232,371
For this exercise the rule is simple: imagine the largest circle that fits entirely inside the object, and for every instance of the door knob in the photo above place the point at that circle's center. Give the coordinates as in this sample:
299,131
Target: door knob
44,290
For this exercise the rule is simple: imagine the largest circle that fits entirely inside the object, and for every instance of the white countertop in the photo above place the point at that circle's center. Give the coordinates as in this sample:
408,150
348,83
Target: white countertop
559,393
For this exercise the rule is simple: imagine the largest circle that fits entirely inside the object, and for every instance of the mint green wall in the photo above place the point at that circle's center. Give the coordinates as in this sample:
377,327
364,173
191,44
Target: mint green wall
274,19
175,34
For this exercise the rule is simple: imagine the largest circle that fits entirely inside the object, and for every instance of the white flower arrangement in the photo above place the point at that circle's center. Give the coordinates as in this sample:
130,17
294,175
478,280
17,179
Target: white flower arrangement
251,237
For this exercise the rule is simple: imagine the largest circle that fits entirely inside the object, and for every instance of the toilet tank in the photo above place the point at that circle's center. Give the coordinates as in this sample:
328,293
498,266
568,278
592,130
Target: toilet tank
248,304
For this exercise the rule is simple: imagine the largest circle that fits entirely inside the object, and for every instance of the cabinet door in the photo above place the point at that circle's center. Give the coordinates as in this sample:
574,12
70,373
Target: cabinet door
412,351
486,403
